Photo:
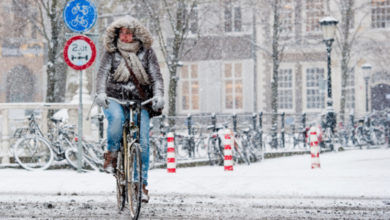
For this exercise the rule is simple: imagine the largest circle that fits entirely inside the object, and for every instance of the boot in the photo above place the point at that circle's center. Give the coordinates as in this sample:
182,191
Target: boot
110,161
145,194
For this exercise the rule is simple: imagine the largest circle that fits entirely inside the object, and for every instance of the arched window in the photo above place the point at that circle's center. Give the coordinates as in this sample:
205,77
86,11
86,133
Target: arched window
20,84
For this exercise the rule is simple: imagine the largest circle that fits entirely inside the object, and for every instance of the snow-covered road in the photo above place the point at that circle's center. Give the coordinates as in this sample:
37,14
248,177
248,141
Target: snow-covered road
190,206
352,184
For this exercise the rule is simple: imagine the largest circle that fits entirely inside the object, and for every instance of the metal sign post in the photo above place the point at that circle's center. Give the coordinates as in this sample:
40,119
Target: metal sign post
80,51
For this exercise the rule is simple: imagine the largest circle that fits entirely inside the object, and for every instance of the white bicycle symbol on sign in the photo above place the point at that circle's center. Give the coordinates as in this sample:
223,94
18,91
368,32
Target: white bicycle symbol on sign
79,20
83,9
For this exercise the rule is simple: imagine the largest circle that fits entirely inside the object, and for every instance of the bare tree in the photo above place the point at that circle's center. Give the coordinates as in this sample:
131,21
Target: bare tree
172,36
276,58
47,21
349,34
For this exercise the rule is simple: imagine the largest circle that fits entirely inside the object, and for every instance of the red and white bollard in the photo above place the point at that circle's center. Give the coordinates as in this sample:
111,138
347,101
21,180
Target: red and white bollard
314,134
228,151
171,161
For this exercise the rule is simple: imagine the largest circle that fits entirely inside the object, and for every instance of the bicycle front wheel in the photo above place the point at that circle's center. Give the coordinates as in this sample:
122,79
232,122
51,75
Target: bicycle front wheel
120,183
33,153
134,180
71,155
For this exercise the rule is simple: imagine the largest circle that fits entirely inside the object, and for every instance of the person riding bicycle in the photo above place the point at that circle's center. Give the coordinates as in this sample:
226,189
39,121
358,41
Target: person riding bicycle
129,70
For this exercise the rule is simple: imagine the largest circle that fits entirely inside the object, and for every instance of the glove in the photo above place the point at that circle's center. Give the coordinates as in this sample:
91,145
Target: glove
101,100
158,103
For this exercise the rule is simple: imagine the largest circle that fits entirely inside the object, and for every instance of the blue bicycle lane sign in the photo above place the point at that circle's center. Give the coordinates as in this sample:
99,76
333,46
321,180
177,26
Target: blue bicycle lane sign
80,15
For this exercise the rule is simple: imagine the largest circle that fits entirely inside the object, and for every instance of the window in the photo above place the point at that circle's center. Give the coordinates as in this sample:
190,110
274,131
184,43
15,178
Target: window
350,91
315,88
380,13
233,18
285,89
286,17
314,12
233,86
190,87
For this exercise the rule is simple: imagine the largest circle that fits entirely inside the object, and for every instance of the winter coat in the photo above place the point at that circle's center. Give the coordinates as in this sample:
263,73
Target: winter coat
111,59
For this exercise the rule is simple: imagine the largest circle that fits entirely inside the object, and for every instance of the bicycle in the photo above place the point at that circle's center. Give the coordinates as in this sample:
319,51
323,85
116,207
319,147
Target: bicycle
128,173
92,156
158,144
191,144
242,149
214,143
34,151
299,138
366,133
83,9
79,20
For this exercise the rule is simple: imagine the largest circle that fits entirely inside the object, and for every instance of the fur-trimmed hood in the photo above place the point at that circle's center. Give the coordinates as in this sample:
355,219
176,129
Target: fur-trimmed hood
139,31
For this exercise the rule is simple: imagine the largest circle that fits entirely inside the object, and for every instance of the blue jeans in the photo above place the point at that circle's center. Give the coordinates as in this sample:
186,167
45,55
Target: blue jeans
116,116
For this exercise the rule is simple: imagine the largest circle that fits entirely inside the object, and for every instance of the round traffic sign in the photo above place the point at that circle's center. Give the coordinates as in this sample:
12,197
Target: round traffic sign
79,52
80,15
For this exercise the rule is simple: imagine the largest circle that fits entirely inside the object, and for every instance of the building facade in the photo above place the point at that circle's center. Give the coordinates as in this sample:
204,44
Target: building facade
219,71
22,60
230,67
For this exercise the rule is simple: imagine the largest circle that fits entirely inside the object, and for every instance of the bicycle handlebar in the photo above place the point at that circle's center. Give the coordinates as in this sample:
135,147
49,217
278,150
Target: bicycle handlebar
131,102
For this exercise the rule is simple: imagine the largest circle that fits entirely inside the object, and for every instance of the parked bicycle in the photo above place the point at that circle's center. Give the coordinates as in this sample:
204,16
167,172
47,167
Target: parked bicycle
34,151
92,151
214,142
158,144
191,143
368,133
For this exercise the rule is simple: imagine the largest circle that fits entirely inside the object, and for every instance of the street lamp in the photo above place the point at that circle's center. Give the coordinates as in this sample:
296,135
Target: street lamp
366,74
328,26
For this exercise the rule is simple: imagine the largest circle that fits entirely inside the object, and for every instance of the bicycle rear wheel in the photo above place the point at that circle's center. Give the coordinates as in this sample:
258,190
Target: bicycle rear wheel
214,152
33,153
134,180
71,157
239,151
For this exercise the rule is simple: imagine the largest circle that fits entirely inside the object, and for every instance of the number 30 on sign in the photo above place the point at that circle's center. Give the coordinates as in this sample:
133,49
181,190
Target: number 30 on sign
79,52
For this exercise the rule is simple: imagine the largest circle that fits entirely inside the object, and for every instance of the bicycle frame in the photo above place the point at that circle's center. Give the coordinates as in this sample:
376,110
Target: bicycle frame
129,160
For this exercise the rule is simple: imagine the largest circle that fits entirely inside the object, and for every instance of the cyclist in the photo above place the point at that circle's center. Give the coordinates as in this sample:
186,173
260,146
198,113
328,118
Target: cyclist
129,70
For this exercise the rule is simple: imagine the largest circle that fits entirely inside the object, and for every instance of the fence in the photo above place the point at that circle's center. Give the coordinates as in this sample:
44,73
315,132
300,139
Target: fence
287,123
289,129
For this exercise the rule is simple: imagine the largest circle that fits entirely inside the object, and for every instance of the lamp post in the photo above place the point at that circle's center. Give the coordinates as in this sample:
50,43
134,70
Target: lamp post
366,74
328,26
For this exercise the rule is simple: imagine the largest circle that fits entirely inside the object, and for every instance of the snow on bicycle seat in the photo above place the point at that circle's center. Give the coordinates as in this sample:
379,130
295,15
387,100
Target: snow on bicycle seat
55,120
246,130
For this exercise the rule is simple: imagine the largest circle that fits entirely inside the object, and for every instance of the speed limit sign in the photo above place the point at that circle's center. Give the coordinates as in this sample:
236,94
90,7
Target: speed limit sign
79,52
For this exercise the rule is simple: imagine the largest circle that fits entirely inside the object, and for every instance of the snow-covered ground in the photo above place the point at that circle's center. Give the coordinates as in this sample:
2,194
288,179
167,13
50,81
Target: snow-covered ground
349,173
356,174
